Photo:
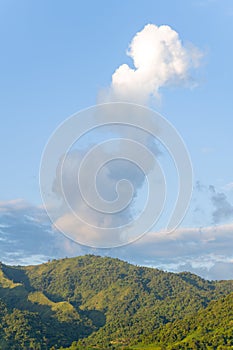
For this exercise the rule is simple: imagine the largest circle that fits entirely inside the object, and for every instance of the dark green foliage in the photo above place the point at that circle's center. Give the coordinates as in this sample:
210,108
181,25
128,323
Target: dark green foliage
23,330
102,302
211,328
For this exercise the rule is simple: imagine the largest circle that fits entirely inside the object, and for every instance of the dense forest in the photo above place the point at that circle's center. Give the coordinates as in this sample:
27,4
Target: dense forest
92,302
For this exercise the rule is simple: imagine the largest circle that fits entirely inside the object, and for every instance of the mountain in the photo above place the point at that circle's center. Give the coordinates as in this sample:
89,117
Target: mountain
105,303
211,328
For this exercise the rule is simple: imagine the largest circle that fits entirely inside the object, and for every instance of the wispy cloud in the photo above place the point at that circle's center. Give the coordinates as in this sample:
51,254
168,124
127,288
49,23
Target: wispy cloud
214,203
207,150
223,210
228,187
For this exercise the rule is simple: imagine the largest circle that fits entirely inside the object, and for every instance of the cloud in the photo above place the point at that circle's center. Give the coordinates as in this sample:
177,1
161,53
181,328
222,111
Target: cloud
186,242
228,187
223,209
27,238
159,59
84,223
200,250
207,150
211,206
26,234
204,251
13,205
199,186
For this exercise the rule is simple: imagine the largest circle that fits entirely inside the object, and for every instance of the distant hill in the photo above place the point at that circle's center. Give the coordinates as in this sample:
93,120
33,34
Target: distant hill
105,303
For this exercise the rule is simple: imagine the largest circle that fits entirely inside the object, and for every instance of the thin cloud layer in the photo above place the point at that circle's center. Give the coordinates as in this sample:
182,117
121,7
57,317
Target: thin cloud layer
205,251
27,237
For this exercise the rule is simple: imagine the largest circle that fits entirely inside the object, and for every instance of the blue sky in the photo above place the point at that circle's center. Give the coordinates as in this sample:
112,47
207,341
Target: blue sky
57,56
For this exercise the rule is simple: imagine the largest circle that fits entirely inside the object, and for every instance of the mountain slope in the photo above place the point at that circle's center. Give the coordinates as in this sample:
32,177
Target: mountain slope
104,301
211,328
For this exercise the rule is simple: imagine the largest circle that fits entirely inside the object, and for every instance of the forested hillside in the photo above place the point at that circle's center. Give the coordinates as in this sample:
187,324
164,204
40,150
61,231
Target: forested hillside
211,328
104,303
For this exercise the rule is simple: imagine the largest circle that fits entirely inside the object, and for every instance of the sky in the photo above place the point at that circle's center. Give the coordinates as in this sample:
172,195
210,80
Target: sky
59,58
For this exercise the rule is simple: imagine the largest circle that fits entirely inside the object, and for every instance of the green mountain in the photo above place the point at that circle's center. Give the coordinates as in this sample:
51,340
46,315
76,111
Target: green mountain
211,328
104,303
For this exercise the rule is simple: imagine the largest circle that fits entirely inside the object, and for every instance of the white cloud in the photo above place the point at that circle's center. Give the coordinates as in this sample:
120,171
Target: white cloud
159,59
205,251
200,250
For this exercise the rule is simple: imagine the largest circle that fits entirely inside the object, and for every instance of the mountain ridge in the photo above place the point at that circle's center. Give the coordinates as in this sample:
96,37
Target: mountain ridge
96,301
